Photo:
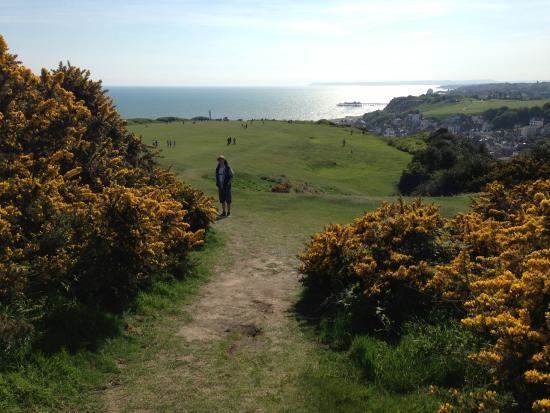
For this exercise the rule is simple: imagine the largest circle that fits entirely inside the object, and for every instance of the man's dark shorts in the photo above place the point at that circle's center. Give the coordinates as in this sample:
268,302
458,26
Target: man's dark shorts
225,194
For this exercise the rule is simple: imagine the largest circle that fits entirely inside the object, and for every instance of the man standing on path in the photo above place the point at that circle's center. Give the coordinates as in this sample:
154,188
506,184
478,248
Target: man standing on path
224,177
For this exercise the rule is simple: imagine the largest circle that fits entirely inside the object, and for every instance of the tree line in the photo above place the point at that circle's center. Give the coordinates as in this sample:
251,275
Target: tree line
450,165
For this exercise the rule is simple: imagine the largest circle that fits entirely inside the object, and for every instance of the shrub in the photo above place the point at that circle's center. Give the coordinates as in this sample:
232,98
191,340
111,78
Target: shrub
411,144
491,265
473,400
501,274
325,122
168,119
379,263
85,212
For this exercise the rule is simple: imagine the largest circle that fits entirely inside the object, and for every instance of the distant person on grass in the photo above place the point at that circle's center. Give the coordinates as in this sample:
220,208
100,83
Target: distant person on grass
224,177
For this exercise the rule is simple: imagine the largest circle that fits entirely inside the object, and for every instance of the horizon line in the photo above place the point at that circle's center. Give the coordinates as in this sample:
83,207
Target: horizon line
432,82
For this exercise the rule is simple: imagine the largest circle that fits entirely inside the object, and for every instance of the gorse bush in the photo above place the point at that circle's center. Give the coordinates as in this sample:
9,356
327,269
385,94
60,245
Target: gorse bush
380,263
85,212
489,267
501,272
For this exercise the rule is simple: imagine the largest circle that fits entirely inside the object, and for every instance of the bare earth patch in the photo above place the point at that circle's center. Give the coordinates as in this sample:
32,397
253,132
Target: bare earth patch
250,297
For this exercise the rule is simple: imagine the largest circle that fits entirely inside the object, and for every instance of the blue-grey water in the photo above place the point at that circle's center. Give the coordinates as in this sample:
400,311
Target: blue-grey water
297,103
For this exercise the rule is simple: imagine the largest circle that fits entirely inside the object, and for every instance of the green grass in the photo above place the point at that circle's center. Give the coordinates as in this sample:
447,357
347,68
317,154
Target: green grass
354,178
424,355
70,367
303,152
469,106
335,384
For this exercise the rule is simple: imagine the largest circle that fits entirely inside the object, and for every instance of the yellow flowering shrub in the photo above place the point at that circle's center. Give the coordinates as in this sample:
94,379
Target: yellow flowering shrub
502,275
491,264
383,259
473,401
85,211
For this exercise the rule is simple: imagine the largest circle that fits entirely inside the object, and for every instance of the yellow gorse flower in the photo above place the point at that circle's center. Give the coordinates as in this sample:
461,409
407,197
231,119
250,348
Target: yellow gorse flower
493,260
84,209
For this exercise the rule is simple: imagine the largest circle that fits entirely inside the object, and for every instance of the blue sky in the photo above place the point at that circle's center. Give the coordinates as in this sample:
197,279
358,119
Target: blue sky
169,42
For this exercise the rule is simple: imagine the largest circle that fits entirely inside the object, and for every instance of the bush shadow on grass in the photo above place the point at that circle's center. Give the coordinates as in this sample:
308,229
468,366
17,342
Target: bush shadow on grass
335,326
421,351
343,380
316,317
73,326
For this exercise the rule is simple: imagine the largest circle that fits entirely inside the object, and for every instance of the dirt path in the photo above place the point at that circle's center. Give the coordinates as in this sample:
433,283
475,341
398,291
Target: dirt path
250,298
236,348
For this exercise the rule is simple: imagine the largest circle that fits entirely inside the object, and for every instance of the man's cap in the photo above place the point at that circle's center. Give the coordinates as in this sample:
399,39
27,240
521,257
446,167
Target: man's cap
221,157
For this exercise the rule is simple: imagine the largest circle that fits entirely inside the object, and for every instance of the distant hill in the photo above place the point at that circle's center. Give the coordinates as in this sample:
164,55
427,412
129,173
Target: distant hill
534,90
469,99
449,83
472,106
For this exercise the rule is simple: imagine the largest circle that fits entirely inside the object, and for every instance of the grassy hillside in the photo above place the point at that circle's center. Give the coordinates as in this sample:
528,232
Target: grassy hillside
329,177
469,106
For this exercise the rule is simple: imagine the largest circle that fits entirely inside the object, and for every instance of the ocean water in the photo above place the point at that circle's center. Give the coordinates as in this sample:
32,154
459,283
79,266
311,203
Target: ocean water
288,103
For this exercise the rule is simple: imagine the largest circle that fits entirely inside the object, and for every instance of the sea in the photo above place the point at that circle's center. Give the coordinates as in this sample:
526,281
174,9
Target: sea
250,102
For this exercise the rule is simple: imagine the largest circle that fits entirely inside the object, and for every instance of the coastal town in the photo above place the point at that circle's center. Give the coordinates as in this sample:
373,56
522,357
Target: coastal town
501,142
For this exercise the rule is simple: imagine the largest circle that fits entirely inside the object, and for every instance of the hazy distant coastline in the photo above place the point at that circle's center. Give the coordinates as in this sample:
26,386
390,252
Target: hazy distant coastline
406,82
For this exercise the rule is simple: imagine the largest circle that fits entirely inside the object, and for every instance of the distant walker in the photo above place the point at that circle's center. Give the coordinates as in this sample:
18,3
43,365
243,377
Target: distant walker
224,178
